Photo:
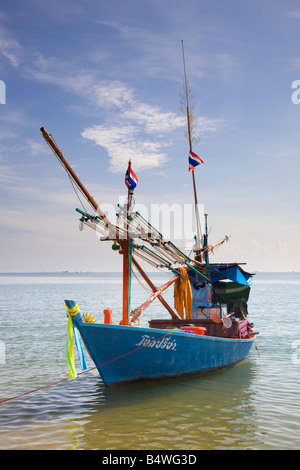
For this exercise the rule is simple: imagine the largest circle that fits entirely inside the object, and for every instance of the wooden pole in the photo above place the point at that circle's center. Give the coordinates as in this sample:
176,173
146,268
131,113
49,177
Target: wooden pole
94,204
154,289
126,293
73,175
137,312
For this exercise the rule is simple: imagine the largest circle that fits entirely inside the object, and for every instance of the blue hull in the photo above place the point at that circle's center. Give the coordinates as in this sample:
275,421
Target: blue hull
130,354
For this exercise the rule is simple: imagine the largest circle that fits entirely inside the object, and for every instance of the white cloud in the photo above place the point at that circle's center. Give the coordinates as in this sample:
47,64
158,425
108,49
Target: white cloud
154,119
136,120
9,46
112,94
123,143
140,130
294,13
37,148
11,49
61,73
287,152
205,124
116,94
9,176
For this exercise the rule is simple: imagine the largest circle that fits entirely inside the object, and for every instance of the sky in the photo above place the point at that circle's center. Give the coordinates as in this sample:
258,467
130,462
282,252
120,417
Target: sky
104,79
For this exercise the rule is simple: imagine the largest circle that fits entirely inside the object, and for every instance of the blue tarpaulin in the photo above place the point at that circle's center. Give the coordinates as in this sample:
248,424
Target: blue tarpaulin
233,273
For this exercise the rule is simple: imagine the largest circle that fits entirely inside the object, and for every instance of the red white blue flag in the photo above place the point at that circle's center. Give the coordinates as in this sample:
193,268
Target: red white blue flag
194,160
130,178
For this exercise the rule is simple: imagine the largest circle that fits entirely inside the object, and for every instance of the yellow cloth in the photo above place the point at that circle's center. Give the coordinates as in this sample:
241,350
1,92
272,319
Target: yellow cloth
183,298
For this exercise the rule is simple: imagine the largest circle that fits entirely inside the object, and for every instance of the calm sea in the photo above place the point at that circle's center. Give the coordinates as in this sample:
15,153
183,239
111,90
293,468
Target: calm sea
253,405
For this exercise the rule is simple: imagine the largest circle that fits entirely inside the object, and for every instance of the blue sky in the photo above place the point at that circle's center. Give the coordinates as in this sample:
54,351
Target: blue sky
104,79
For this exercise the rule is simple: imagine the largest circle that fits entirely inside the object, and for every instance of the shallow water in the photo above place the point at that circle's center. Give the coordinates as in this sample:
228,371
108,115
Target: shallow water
253,405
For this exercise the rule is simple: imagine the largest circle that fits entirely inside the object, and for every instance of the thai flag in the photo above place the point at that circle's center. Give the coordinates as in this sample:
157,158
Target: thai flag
194,160
130,178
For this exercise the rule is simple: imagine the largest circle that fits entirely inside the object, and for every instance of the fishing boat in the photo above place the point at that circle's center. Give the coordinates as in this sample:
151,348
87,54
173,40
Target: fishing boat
208,327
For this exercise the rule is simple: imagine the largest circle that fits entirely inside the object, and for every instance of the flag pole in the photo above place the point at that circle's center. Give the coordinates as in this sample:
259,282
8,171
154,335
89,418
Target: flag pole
198,227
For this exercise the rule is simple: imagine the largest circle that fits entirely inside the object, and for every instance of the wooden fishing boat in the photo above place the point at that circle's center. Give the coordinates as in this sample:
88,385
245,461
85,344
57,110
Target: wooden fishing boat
208,328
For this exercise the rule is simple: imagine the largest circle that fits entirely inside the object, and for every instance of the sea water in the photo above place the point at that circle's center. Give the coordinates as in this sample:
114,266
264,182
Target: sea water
252,405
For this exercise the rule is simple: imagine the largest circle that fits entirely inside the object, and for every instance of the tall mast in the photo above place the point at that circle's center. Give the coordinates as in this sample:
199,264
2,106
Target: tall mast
205,242
127,256
198,228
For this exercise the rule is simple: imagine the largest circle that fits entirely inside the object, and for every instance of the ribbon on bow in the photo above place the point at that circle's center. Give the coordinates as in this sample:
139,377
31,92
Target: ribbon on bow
70,349
73,333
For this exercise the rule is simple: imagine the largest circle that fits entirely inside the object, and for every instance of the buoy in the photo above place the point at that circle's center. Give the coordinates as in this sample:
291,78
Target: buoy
115,246
107,316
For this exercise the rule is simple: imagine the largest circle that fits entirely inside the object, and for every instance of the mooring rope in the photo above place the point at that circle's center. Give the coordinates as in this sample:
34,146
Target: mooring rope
83,372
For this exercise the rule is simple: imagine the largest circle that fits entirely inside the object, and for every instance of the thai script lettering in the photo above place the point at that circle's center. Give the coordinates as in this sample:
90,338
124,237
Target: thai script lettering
165,342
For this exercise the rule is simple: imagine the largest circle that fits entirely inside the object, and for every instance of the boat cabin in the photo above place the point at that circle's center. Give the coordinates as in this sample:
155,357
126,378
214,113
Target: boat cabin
218,306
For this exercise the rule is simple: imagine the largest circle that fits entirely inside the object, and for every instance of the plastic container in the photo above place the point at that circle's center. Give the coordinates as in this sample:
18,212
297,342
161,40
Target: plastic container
198,330
202,313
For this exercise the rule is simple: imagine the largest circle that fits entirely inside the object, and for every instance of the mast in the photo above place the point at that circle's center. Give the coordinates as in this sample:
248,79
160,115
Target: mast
127,255
130,181
205,242
198,228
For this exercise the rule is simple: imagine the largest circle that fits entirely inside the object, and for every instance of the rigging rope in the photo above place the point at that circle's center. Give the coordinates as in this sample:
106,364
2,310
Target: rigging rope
73,183
84,371
140,282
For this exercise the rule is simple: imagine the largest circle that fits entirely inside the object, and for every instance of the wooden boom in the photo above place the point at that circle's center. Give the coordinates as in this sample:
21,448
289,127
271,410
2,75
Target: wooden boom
50,141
